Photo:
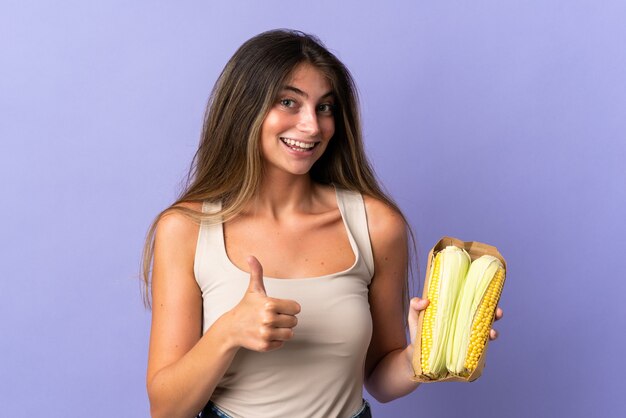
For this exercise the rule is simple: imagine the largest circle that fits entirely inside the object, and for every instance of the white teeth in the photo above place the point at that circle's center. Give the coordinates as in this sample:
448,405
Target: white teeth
298,144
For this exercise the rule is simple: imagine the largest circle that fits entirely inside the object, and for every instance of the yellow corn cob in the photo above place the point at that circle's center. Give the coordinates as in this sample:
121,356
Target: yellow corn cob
430,313
473,314
446,278
483,320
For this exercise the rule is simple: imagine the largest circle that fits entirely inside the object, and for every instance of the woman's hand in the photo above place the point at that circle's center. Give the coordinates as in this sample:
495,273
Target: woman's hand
259,322
415,307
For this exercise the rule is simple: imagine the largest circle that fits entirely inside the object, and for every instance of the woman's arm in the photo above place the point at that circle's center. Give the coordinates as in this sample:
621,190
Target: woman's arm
388,370
184,366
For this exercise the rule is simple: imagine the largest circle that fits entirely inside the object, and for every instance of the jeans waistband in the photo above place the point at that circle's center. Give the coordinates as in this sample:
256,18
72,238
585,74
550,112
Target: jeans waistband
213,411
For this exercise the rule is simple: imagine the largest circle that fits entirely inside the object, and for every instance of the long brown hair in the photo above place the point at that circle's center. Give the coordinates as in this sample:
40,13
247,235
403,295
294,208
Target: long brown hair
227,166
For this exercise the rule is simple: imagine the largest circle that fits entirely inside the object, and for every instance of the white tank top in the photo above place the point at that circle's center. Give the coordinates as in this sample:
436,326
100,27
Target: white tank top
318,373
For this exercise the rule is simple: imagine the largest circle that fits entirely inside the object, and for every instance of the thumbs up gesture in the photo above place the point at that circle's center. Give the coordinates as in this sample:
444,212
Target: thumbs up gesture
259,322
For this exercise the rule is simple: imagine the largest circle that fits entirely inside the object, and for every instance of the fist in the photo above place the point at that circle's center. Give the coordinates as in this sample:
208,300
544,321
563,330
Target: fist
262,323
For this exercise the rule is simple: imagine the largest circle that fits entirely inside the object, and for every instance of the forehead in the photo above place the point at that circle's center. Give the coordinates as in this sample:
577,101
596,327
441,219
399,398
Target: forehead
309,76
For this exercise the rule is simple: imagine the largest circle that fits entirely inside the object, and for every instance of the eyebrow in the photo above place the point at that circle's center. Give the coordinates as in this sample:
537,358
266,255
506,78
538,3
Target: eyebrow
302,93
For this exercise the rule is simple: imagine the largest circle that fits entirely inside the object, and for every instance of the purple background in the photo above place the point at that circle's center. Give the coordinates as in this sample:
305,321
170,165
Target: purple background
498,121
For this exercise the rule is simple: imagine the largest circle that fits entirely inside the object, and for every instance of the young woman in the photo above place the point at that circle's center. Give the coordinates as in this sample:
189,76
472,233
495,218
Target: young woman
279,276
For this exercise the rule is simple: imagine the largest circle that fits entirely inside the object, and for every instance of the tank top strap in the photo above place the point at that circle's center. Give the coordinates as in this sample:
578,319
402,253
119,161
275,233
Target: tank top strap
352,207
209,239
211,207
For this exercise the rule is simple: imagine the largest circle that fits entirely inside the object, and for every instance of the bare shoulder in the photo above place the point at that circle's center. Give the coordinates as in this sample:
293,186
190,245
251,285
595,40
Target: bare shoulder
386,225
176,234
175,224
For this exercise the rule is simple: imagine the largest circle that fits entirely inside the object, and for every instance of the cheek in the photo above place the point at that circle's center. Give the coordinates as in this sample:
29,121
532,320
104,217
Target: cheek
275,123
328,128
269,124
270,128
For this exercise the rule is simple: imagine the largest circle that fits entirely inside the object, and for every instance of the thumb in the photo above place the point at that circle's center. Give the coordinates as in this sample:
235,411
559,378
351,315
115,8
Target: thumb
416,305
256,276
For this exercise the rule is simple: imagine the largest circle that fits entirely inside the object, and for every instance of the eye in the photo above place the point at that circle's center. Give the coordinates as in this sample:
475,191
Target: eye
287,102
328,108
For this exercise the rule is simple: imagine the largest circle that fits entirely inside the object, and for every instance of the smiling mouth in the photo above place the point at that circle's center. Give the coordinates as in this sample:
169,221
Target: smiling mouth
298,145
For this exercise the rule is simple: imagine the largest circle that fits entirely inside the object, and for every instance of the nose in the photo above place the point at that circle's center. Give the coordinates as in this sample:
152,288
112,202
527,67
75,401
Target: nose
308,122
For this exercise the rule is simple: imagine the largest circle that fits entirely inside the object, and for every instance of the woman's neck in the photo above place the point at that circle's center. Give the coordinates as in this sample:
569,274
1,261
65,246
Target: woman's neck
281,195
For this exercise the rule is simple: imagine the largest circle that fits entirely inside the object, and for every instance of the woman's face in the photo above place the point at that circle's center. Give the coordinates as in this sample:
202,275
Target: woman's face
300,124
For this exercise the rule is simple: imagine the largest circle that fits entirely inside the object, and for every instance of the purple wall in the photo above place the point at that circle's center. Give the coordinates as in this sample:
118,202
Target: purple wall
498,121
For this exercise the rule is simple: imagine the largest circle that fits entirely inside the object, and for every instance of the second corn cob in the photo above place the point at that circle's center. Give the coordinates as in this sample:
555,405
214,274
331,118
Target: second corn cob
474,313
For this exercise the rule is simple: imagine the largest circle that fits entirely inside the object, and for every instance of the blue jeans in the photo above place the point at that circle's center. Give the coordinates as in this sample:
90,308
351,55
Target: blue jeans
213,411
